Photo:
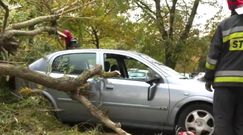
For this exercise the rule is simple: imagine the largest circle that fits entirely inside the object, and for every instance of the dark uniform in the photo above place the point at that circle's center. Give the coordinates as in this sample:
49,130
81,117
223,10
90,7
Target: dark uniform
224,69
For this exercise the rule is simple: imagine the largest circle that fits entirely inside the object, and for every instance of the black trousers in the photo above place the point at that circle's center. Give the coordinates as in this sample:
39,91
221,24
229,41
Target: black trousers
228,110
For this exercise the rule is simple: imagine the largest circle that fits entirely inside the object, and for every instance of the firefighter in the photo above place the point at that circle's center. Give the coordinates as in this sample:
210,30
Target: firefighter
224,71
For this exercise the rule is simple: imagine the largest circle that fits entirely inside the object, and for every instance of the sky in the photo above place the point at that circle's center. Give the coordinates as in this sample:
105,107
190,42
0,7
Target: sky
208,11
204,13
225,6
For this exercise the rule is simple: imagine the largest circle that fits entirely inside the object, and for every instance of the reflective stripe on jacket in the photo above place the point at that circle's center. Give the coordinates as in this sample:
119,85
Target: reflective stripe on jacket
224,64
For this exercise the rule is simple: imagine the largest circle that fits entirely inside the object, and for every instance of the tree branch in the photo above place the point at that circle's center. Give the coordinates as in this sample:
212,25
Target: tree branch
37,31
72,7
66,84
167,4
34,21
212,19
41,19
144,5
100,115
146,8
187,8
5,21
159,20
63,84
59,11
172,18
95,35
185,33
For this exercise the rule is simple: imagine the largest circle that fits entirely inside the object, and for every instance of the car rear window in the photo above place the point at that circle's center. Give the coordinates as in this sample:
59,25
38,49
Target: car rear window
39,65
73,63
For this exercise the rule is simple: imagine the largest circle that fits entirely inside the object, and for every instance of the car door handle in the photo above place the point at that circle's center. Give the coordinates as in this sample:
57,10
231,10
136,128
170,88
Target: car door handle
109,87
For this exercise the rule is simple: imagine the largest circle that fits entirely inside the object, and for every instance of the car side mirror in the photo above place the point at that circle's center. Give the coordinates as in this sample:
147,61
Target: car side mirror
152,88
151,91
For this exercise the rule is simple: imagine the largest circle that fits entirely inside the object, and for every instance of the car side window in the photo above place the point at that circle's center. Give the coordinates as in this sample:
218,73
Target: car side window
137,70
73,63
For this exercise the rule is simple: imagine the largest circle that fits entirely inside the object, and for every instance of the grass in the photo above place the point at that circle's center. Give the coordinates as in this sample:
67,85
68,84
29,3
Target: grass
32,115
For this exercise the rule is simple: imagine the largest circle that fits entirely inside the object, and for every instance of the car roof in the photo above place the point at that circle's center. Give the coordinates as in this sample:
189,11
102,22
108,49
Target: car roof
97,50
94,50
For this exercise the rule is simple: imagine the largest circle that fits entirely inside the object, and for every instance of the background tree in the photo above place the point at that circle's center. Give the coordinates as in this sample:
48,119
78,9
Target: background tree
102,24
174,21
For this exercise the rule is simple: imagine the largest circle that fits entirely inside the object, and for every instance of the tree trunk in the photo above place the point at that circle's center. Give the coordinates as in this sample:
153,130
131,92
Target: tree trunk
169,54
95,36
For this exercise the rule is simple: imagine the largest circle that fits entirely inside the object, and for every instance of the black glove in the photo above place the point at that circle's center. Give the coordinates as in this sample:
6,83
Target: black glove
208,85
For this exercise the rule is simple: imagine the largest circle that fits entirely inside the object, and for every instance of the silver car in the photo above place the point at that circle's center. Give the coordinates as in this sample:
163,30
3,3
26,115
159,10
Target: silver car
163,100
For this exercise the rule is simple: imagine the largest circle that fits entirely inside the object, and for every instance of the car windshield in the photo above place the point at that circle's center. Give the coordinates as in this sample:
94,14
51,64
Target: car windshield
171,72
136,74
168,71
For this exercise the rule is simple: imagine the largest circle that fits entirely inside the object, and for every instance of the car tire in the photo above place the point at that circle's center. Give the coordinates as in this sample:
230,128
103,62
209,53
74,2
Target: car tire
197,118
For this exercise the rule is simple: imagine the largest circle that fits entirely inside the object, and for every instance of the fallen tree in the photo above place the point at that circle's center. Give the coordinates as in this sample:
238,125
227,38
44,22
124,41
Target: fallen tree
78,87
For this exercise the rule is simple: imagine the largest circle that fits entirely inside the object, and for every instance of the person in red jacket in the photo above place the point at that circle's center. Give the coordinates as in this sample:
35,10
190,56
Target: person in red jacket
70,41
224,71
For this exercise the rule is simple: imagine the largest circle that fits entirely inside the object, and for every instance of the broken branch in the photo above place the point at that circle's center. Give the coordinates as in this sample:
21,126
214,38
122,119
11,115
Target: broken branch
33,22
37,31
5,7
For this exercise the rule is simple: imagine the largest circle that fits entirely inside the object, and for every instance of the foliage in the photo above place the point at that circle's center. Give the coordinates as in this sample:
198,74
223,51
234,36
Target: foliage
194,61
27,53
101,24
147,40
109,24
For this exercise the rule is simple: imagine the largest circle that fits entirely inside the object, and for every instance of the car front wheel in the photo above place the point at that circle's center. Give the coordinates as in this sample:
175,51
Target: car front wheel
197,118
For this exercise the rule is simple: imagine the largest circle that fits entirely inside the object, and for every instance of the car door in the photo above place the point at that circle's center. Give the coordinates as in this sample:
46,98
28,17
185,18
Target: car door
126,97
72,64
